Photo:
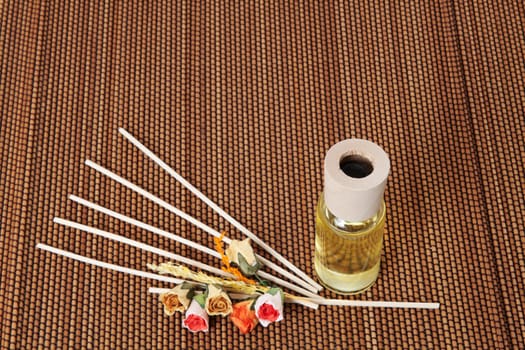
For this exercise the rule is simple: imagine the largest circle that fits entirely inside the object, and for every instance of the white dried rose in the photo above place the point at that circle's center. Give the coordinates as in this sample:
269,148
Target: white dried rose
241,247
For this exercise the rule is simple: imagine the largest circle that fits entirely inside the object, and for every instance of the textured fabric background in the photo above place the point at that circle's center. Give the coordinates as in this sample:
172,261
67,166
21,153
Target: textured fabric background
244,99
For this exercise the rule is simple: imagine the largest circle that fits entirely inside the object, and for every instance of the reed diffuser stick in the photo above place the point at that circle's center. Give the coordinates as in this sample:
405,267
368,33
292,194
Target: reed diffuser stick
287,299
334,302
142,246
385,304
189,218
167,254
109,266
144,226
219,210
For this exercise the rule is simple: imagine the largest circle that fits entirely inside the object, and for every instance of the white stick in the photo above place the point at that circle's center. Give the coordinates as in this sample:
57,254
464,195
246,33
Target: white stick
366,303
156,290
152,198
337,302
144,226
142,246
285,284
286,274
164,253
105,265
219,210
303,302
189,218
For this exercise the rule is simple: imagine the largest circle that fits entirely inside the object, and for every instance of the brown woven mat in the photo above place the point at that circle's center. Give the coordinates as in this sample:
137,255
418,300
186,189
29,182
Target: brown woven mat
244,100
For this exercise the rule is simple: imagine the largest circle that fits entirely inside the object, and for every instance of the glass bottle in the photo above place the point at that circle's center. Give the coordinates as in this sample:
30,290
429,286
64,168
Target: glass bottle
350,216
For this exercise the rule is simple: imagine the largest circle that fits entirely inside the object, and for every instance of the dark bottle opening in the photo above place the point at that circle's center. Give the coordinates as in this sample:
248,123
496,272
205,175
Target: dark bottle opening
356,166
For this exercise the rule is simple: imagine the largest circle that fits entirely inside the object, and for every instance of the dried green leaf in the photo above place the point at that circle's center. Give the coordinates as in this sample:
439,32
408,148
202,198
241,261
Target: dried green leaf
247,269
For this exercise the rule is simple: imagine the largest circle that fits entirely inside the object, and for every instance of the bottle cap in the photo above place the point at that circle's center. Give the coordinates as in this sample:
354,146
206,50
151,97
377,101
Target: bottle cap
355,175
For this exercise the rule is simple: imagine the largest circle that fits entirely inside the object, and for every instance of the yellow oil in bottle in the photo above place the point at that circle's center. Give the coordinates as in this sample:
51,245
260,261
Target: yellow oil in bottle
348,254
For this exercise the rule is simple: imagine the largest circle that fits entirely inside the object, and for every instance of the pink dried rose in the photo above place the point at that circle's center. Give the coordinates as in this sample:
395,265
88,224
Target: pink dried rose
196,318
269,307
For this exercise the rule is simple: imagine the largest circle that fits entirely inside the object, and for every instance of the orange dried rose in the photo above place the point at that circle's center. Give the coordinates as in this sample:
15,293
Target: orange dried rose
243,316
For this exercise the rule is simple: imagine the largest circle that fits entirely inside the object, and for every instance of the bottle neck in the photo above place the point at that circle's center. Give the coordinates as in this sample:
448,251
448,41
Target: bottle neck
350,226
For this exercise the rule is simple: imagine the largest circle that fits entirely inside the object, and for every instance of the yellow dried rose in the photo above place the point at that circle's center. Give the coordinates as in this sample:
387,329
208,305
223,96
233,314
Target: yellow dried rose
175,300
217,302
